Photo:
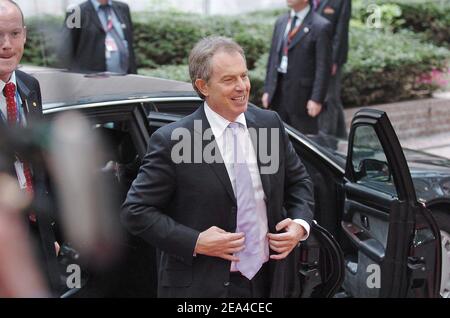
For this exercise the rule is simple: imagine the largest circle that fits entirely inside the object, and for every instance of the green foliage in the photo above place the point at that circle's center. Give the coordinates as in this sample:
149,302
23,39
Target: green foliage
168,37
42,41
382,67
432,18
393,68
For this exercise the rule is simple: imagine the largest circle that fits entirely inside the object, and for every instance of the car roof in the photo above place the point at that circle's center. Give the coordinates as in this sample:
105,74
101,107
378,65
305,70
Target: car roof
62,88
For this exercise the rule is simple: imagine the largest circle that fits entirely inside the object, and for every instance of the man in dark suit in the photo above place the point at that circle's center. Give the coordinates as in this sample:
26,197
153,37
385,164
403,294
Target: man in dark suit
102,42
299,66
20,105
226,221
338,12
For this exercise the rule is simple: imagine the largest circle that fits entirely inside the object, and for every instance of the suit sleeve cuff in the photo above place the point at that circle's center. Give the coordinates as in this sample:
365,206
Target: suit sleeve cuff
306,226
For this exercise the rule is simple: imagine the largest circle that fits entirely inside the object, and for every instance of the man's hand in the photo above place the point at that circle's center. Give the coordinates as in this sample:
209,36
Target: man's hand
334,69
57,248
285,242
313,108
219,243
265,100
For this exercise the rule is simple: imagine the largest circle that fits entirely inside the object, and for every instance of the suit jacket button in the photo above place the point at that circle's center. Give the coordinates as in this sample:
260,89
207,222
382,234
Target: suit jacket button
226,284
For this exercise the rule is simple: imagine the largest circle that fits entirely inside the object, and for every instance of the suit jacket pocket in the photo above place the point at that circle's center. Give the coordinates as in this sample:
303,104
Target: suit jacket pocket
176,278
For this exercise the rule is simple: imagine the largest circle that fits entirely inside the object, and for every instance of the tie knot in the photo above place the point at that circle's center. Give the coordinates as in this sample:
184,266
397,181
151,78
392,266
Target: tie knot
234,127
9,90
104,7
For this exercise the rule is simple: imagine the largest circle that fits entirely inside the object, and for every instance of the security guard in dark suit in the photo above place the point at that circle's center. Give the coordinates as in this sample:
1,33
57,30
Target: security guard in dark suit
299,66
338,12
103,41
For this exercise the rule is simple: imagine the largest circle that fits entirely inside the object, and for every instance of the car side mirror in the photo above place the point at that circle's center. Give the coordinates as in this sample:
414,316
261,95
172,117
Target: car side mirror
374,170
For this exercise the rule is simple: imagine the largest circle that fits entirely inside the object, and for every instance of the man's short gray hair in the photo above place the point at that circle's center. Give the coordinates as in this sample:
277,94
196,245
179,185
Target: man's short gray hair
202,54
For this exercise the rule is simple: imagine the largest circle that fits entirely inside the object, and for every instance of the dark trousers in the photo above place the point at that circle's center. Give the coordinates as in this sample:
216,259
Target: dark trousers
331,119
258,287
290,103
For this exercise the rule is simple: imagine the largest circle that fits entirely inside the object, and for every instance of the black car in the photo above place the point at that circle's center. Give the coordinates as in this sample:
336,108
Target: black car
382,220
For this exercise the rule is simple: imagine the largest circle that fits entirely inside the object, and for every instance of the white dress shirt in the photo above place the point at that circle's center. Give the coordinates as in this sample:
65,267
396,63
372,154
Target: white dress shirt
219,128
18,102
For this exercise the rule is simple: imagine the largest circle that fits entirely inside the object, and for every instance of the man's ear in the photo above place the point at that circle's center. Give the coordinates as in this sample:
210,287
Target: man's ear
202,86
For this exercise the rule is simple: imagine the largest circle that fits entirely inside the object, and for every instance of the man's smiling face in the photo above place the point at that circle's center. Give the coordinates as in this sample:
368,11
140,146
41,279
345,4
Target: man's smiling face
12,39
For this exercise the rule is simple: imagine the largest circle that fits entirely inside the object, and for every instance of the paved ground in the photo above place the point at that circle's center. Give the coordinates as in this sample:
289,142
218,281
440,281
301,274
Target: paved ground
435,144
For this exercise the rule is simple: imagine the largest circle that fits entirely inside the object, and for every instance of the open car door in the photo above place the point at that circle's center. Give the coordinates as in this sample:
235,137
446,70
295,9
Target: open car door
391,241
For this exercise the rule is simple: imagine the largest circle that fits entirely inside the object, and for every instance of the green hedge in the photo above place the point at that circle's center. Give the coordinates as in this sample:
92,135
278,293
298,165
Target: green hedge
167,38
391,71
430,18
42,41
382,66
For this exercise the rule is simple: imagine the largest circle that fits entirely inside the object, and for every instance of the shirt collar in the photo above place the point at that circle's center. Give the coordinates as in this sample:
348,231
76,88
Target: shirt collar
302,13
218,123
11,80
97,4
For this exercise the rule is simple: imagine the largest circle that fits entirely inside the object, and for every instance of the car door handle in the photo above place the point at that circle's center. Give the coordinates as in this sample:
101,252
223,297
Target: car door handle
365,222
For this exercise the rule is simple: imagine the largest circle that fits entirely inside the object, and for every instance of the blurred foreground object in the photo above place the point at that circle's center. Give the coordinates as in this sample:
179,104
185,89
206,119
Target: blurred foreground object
76,161
19,273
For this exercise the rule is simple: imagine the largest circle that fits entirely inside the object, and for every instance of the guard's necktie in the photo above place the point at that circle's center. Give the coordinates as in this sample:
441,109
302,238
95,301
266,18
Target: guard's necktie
9,91
124,55
252,257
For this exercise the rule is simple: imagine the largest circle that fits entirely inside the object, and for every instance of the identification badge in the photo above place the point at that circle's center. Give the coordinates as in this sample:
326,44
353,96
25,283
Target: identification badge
20,174
283,65
110,44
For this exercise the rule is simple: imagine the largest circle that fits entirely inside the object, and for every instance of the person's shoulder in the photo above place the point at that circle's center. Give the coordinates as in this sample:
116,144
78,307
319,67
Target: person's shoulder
282,17
321,23
265,116
85,4
121,5
320,20
27,79
186,122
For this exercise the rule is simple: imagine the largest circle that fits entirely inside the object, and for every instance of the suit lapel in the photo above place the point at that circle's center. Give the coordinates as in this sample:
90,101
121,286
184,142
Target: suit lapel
281,32
305,28
252,125
30,101
93,16
218,167
122,19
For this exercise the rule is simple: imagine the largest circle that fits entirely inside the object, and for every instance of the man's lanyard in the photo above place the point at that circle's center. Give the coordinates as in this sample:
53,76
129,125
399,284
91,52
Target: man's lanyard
109,19
290,36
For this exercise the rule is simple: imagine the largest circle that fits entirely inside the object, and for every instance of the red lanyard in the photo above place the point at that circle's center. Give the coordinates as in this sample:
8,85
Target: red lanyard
109,19
291,36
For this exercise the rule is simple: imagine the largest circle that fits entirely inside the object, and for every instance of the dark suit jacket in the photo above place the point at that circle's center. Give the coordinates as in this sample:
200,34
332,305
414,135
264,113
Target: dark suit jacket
42,232
83,49
338,12
169,204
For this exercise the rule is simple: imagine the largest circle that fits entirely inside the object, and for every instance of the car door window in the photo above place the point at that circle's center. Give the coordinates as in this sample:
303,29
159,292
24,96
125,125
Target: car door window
370,165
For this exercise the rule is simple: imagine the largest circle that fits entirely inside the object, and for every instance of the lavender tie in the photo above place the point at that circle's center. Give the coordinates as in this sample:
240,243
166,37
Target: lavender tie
252,257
